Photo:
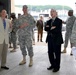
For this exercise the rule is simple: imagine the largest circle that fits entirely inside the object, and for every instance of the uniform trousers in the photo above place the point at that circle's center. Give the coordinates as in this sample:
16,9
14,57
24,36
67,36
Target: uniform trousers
67,38
40,34
14,39
25,42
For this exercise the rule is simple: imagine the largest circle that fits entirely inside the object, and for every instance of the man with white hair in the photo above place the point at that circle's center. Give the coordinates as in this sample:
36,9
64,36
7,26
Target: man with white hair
25,25
54,40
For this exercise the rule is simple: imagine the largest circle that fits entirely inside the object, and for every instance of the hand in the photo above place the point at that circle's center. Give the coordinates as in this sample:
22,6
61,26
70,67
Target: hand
63,22
47,25
24,25
53,27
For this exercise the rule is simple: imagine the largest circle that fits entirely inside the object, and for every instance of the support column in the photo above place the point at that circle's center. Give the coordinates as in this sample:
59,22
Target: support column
6,4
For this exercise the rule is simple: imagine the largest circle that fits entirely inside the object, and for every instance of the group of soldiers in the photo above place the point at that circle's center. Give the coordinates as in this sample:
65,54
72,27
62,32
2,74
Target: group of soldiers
13,33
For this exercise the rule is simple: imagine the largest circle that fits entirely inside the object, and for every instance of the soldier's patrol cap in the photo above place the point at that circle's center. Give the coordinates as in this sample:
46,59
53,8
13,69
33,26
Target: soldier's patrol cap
70,10
25,6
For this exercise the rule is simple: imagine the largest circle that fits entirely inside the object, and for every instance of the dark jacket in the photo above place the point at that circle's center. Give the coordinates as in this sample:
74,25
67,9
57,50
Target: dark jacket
55,34
39,25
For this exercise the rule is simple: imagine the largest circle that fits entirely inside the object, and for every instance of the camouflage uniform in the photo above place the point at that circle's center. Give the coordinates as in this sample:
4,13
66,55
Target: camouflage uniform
25,34
13,33
10,38
69,25
33,37
73,35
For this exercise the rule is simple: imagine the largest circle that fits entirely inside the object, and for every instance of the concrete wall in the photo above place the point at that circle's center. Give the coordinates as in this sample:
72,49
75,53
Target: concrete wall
12,6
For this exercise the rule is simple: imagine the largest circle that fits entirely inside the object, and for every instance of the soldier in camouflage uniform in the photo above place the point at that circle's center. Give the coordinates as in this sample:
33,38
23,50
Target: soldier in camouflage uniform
73,35
69,25
13,33
25,25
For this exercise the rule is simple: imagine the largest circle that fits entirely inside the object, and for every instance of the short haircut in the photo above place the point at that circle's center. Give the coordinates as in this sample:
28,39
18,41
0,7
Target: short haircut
70,11
25,6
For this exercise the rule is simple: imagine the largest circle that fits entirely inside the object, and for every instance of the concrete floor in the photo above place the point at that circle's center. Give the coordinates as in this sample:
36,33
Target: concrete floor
41,62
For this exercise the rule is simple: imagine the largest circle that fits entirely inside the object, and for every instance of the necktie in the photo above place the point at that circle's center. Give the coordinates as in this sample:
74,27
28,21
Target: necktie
52,22
4,23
